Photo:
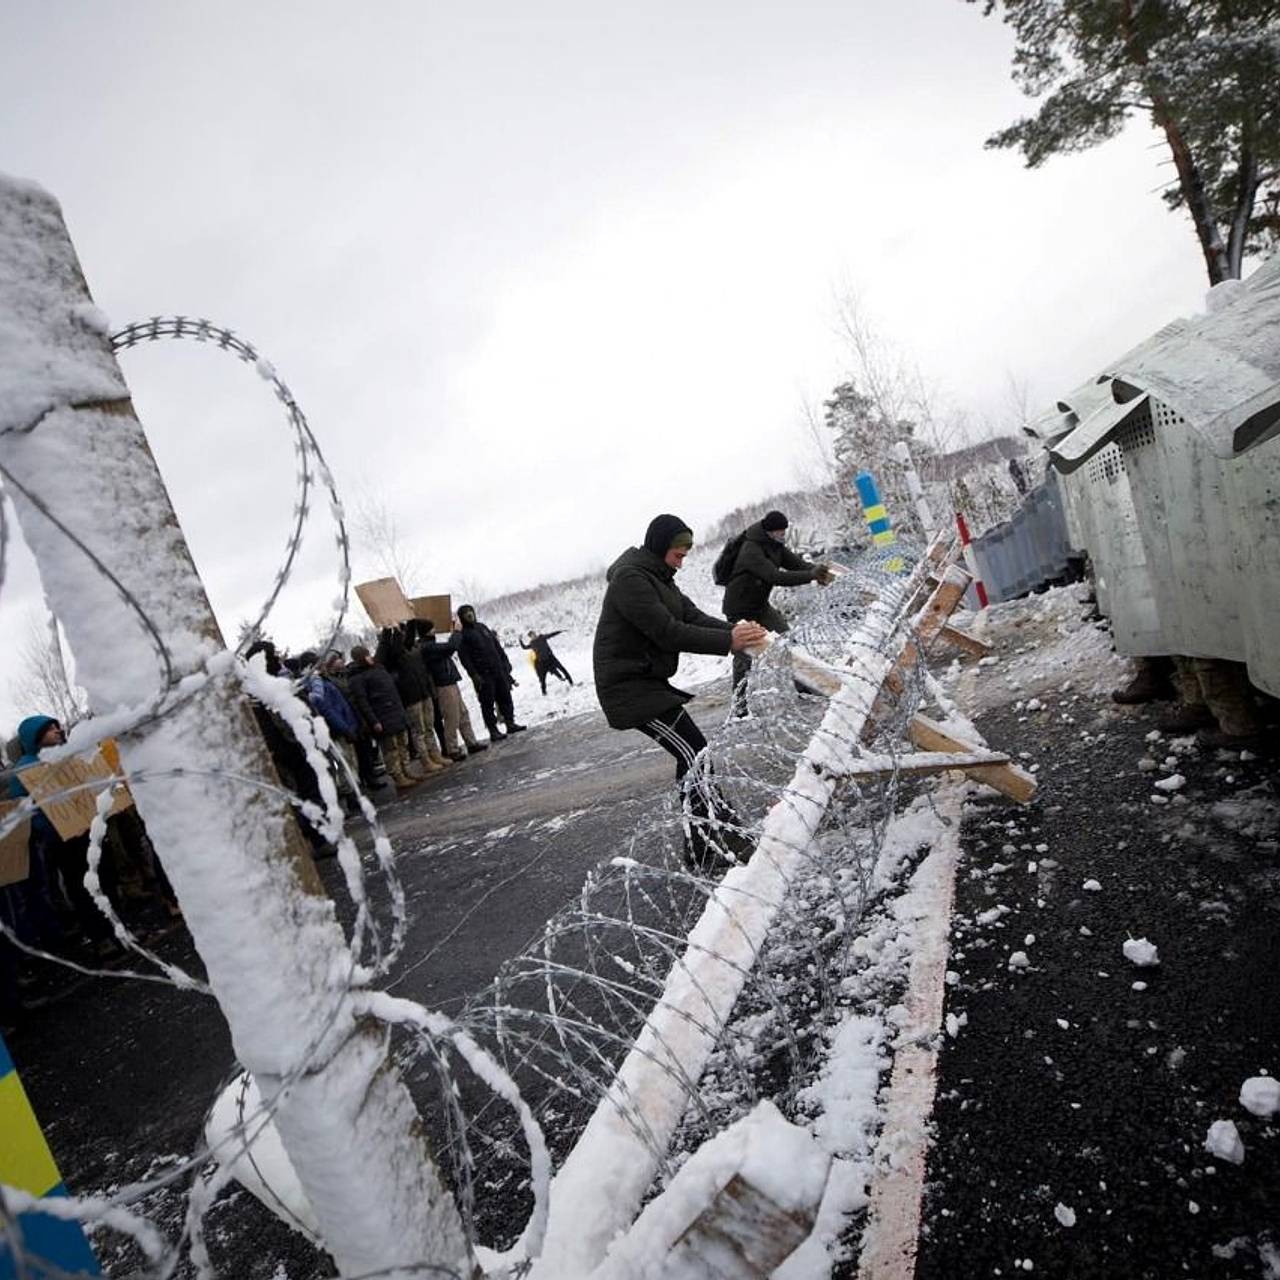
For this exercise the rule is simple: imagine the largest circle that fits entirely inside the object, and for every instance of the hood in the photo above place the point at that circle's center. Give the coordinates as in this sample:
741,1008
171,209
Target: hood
641,558
29,732
758,533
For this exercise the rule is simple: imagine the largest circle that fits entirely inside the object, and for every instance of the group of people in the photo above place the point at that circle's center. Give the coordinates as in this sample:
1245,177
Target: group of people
647,622
397,714
49,908
397,709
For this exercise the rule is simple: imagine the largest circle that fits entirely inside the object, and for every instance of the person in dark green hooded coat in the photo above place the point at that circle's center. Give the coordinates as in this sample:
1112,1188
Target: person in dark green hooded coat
646,623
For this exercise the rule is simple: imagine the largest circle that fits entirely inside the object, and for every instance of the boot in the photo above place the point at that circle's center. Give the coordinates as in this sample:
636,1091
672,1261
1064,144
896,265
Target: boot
1186,718
416,769
457,756
473,747
512,727
429,766
436,758
1150,683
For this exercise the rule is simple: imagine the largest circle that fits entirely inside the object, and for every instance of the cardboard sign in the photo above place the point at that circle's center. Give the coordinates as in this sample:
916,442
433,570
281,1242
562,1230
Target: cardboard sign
437,610
384,602
72,815
15,863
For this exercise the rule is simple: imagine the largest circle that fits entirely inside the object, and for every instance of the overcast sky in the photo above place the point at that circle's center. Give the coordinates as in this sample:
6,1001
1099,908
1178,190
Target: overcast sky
538,271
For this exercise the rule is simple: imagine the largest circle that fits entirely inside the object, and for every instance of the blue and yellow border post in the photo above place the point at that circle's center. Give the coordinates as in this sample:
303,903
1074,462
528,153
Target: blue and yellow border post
878,523
27,1164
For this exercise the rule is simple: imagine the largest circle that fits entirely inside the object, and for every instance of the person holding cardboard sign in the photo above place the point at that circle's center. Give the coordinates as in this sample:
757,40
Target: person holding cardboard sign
55,860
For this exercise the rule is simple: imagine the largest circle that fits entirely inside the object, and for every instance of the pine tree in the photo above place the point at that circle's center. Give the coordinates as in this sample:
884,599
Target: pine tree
862,435
1205,72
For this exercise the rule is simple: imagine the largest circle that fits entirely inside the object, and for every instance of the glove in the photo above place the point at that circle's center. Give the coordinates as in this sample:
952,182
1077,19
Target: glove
824,577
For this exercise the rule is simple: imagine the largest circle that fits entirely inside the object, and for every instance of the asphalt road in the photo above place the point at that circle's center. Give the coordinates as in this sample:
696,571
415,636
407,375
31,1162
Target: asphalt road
121,1073
1070,1085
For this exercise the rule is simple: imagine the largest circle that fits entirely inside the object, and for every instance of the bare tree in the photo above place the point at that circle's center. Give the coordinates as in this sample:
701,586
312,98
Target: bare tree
381,540
470,590
41,684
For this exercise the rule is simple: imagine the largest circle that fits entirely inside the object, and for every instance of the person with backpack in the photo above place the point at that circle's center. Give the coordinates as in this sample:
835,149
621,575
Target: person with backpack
749,567
646,623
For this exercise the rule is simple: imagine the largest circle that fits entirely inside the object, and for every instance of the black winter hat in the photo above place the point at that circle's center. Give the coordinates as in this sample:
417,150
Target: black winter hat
664,532
774,521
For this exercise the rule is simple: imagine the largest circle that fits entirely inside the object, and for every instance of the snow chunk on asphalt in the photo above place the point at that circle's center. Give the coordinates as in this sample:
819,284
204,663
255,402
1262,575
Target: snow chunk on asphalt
1261,1095
1064,1215
1175,782
1092,885
1019,960
1223,1141
1141,952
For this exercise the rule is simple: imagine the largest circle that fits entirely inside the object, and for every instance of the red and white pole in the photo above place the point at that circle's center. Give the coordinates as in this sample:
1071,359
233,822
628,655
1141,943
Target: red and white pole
971,560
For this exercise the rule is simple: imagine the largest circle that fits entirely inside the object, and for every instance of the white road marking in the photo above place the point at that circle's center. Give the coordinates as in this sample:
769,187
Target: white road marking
893,1218
897,1195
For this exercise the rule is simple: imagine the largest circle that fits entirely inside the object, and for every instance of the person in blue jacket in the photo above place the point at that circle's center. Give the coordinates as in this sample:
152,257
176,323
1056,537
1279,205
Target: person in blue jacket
58,866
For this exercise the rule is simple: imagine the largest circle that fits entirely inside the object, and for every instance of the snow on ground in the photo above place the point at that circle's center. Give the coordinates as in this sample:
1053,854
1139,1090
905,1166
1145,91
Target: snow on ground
1044,643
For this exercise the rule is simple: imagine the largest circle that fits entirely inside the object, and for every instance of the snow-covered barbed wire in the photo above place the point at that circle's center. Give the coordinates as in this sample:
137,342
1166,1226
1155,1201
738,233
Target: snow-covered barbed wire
561,1015
250,683
542,1045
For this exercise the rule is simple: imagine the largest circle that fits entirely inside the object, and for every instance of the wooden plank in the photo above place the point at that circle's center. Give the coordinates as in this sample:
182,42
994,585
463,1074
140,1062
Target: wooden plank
922,763
437,610
928,623
72,814
1008,779
15,861
963,640
384,602
741,1235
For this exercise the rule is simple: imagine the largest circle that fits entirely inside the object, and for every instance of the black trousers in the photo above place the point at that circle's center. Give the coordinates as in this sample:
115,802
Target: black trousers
766,617
552,668
495,691
677,734
708,819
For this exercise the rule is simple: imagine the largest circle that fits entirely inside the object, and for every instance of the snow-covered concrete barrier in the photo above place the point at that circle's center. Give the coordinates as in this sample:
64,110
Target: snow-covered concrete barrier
117,572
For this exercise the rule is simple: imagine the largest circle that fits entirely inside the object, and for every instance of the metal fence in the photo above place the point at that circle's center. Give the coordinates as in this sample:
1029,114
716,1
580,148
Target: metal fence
1030,549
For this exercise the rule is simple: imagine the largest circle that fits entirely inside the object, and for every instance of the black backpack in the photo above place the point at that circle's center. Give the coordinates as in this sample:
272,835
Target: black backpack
722,570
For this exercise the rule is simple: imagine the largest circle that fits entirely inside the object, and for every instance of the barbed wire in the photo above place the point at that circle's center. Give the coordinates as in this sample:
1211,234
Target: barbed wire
542,1044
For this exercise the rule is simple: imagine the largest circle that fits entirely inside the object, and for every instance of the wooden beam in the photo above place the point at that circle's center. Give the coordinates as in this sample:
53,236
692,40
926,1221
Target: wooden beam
928,623
963,640
922,763
1008,779
742,1235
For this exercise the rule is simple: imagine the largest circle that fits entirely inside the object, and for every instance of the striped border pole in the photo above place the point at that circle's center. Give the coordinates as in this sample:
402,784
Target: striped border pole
27,1164
878,523
971,560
